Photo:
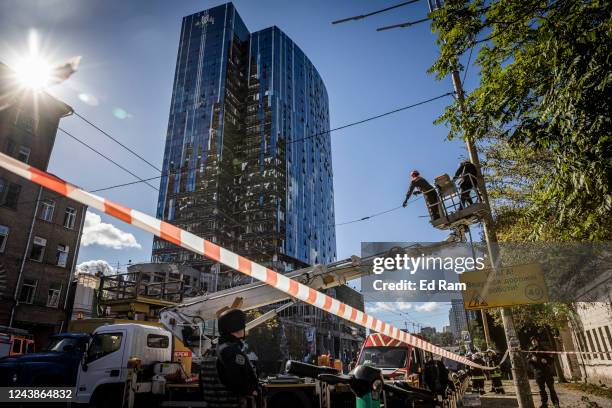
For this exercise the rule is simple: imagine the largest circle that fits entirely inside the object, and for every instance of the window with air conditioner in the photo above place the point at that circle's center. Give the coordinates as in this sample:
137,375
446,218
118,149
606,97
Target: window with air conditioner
37,252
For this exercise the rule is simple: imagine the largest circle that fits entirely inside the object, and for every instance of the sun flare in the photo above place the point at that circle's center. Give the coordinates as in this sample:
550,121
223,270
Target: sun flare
33,72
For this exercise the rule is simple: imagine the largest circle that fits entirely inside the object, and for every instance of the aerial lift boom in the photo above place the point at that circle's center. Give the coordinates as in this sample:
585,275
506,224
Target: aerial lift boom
192,320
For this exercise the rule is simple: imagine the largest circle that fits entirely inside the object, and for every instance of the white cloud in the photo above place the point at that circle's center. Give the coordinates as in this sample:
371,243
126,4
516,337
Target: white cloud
388,306
96,232
93,267
427,307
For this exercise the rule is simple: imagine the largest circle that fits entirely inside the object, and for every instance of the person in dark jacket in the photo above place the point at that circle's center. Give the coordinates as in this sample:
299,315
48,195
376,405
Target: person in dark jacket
435,376
429,193
494,360
466,173
477,374
542,364
227,377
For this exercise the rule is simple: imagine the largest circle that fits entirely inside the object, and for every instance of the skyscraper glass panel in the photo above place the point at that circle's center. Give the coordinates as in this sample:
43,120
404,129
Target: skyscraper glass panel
247,161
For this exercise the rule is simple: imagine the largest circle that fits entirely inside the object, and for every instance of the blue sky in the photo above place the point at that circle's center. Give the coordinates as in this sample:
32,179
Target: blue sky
128,51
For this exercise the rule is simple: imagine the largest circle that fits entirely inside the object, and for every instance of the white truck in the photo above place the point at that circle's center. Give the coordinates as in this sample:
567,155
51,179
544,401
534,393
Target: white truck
126,361
113,354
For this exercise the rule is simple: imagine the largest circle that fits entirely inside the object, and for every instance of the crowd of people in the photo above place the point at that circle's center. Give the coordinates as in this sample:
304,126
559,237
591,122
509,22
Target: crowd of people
228,377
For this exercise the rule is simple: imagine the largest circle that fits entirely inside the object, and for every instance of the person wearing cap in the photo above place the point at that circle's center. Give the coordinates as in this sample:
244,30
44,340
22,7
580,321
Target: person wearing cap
542,364
429,193
227,377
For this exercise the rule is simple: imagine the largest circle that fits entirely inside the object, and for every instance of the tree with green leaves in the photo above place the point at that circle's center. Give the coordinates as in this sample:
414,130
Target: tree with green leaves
543,100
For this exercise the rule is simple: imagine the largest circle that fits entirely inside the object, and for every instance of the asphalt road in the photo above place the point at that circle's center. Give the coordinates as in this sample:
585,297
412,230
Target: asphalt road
568,398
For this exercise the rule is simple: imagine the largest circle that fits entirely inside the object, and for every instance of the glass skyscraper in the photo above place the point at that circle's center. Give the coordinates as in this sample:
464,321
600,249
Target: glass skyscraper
247,161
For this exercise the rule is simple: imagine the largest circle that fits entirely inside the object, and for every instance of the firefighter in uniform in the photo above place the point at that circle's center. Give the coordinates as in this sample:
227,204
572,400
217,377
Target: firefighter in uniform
493,360
227,377
477,374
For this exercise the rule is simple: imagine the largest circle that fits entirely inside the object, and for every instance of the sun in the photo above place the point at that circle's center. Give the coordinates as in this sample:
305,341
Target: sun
33,72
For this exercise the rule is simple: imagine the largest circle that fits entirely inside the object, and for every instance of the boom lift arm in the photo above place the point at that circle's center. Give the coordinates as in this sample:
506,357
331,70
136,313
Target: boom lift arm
192,319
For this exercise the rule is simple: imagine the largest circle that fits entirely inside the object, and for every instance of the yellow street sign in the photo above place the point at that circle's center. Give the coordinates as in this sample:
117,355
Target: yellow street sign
508,286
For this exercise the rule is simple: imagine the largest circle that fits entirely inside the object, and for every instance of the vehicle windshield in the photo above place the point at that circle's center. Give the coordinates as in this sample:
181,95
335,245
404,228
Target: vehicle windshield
60,344
384,357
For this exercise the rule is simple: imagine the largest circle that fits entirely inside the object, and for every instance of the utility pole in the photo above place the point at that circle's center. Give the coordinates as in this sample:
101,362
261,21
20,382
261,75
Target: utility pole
483,312
485,328
519,368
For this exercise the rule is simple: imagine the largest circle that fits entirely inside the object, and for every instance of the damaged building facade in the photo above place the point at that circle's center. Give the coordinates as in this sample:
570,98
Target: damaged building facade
247,162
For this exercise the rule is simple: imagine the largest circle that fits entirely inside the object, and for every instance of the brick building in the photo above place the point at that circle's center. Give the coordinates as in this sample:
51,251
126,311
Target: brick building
39,230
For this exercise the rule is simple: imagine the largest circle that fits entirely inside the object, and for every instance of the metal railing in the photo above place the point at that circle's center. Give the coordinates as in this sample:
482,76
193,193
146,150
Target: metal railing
453,196
132,285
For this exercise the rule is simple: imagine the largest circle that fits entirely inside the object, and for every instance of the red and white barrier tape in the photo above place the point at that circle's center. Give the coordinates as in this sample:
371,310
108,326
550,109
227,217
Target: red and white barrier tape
565,352
212,251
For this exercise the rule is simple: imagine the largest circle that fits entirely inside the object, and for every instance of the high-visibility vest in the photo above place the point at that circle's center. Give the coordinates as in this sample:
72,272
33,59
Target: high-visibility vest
496,372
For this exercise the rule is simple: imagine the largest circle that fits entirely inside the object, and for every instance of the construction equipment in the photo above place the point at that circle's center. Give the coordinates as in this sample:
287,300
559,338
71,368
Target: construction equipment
192,321
197,311
454,214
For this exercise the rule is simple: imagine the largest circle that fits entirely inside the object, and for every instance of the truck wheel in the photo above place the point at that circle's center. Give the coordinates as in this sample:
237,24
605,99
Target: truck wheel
107,396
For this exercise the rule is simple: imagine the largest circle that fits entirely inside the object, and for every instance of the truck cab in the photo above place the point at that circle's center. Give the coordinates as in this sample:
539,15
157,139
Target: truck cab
396,359
56,365
112,352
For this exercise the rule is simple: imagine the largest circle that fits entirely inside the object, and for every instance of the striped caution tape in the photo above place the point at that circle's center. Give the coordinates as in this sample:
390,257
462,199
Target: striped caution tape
563,352
212,251
506,355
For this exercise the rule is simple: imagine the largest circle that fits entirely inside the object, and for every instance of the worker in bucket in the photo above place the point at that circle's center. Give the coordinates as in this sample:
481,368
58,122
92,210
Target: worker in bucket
429,193
227,377
542,364
466,174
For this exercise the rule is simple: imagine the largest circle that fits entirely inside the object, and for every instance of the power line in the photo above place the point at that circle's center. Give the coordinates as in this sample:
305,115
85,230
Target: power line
141,180
368,217
126,184
117,141
414,105
362,16
107,158
403,25
467,66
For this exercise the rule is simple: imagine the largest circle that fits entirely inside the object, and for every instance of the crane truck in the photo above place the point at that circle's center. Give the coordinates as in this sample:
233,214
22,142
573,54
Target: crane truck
129,361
